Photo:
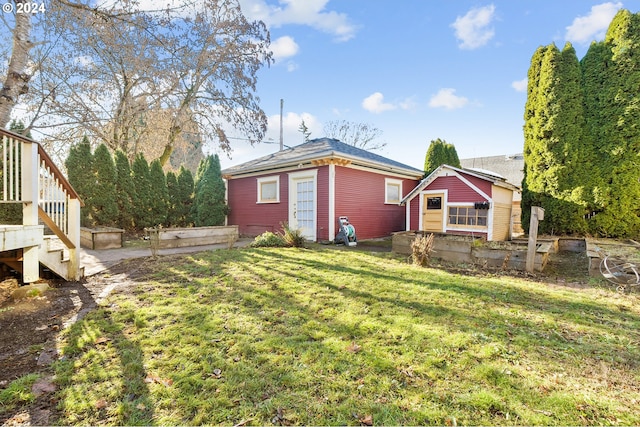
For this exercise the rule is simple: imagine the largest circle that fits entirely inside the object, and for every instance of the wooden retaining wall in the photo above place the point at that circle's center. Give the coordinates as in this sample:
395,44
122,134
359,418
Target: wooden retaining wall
196,236
473,251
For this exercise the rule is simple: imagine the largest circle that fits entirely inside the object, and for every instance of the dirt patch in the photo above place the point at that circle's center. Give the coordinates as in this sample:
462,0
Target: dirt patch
30,327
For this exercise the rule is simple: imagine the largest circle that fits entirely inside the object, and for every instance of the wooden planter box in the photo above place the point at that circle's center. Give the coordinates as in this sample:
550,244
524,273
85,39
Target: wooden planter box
467,249
101,238
196,236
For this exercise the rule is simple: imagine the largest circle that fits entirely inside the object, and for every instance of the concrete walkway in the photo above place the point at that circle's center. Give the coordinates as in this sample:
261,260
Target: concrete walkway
96,261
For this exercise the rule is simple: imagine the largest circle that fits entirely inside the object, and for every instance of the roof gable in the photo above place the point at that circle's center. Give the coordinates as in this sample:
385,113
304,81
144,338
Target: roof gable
318,149
494,179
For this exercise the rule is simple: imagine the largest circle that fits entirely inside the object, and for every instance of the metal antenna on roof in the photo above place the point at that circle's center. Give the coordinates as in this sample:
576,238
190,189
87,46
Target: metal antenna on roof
281,140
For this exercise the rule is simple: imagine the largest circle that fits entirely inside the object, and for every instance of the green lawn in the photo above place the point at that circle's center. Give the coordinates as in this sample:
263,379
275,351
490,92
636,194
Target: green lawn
316,337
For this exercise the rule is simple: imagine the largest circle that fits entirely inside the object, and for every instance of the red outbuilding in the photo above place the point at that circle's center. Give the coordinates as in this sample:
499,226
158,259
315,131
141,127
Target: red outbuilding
463,201
311,185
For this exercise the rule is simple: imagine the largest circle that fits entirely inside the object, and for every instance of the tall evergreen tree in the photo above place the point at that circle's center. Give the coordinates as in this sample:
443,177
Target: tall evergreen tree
532,119
125,191
186,188
18,127
104,209
619,190
451,156
554,121
582,135
141,197
180,190
79,164
210,206
159,197
440,153
172,201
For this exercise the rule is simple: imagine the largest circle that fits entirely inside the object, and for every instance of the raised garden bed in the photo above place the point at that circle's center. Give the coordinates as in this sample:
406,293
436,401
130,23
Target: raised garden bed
598,249
193,236
474,250
101,238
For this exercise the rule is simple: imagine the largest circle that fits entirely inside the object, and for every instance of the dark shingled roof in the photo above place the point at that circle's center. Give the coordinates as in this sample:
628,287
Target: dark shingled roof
317,149
510,167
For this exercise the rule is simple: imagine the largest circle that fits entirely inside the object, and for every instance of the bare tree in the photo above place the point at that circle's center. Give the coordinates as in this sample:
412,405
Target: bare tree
100,72
16,79
361,135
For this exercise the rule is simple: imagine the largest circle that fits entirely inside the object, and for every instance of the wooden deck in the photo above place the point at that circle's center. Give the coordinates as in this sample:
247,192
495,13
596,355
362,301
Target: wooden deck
20,236
29,178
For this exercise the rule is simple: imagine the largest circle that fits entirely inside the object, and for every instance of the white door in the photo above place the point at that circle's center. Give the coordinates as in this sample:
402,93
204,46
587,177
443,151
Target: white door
302,203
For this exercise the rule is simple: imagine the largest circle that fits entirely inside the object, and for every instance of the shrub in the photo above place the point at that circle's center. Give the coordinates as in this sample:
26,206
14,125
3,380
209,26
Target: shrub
268,240
421,249
292,237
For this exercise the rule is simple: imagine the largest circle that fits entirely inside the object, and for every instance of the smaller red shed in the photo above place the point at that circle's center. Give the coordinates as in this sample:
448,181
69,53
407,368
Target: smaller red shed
462,201
313,184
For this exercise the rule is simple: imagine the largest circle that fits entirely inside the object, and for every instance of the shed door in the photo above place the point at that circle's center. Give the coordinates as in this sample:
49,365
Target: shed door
433,205
302,205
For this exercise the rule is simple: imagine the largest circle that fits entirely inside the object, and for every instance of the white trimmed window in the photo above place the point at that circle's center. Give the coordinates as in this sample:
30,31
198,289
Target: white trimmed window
467,216
393,191
269,189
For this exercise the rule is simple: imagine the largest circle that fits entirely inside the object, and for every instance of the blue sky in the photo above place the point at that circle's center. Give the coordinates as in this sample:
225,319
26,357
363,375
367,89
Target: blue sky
415,69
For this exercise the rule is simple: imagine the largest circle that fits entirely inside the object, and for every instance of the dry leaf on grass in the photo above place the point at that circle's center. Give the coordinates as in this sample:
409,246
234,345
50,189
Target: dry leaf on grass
102,340
354,348
367,420
155,379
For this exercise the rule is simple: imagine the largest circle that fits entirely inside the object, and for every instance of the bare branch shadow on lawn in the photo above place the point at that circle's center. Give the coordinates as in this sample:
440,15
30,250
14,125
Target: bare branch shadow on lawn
592,315
96,334
261,369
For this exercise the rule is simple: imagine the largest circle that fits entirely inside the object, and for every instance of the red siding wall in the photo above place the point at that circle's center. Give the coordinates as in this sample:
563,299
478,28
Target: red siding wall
253,218
415,213
459,191
360,195
322,230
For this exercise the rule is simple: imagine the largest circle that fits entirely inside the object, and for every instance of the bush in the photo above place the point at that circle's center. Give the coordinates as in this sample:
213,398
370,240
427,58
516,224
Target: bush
268,240
421,249
292,237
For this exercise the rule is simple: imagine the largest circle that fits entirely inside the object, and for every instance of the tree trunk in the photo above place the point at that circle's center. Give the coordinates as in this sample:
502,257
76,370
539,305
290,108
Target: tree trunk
16,80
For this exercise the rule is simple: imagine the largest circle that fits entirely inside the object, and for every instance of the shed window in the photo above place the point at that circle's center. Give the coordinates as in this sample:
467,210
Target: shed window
393,190
269,189
434,203
467,216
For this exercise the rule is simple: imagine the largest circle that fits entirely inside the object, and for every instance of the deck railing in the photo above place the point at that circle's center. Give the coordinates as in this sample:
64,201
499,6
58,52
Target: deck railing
31,179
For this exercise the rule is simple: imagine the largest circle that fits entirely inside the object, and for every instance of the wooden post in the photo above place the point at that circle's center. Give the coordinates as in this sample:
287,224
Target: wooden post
537,214
73,226
30,176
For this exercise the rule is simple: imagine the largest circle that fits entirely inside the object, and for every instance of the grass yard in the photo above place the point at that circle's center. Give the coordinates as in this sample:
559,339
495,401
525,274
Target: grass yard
317,337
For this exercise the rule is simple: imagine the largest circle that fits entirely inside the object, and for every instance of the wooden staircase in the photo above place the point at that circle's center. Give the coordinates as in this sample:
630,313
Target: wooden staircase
56,257
29,178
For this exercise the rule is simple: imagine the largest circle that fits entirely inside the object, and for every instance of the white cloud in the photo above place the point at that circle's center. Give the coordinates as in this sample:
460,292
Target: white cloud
291,128
520,85
284,47
446,98
375,103
585,29
291,136
473,29
301,12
